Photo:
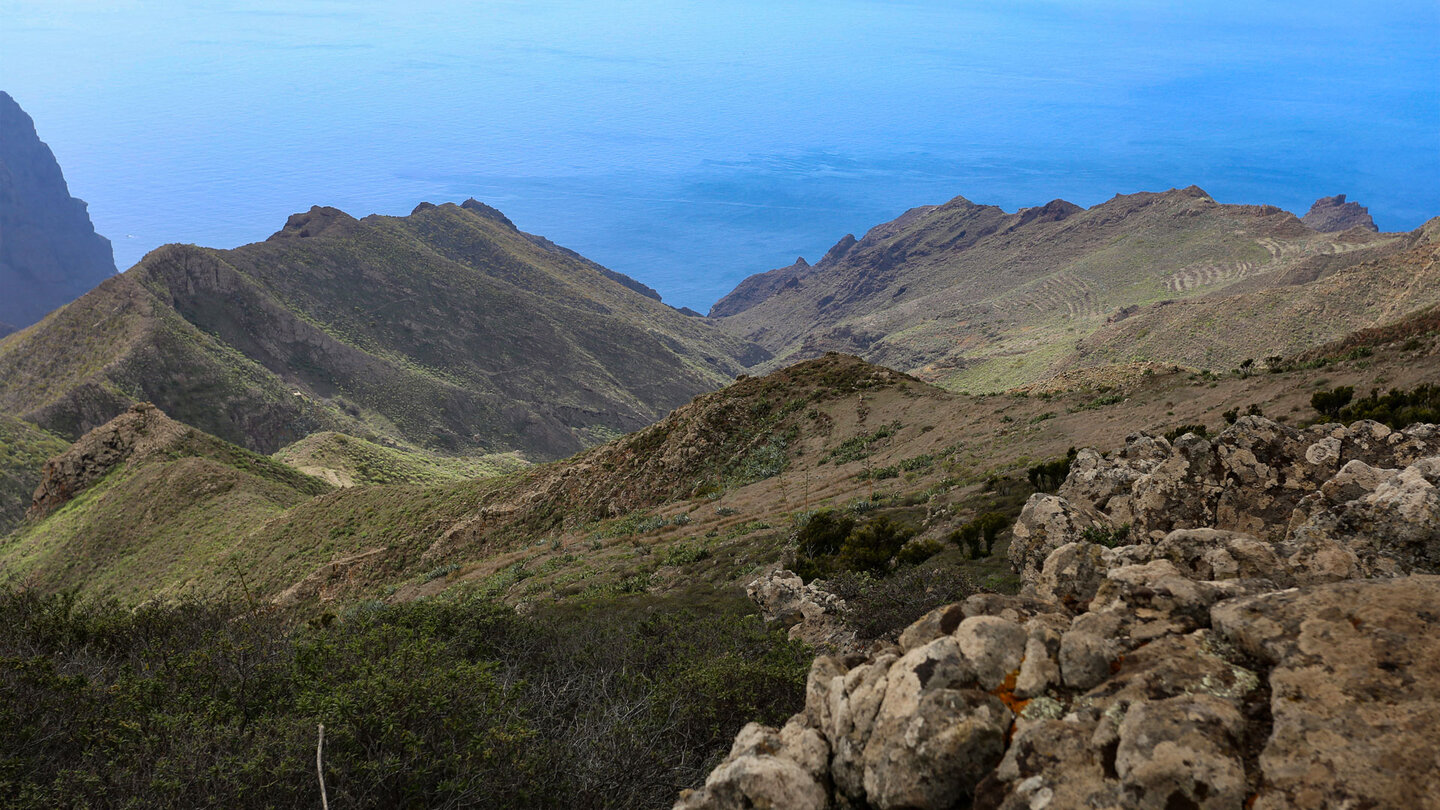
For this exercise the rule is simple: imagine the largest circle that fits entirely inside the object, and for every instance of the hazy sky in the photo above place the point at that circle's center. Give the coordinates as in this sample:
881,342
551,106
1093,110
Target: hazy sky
689,143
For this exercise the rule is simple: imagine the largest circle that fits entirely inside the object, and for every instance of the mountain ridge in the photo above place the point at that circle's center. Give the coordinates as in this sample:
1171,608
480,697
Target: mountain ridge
448,328
974,298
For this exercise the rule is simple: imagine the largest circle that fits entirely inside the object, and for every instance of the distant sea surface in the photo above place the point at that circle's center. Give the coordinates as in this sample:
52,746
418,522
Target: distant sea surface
689,143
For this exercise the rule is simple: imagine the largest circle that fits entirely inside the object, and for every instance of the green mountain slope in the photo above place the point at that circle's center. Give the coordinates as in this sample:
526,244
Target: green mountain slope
448,329
974,298
709,495
145,507
346,461
23,449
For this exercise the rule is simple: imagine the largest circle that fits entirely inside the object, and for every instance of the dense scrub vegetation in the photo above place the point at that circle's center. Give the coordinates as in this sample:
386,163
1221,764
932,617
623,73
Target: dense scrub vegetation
1397,409
831,542
427,704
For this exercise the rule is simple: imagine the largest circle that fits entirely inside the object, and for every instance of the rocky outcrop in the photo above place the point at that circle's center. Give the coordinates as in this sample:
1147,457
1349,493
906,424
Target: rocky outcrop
1265,636
141,432
1333,214
49,251
812,613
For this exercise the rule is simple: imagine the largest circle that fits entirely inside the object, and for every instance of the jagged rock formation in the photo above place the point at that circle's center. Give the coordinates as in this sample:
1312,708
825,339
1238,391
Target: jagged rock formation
812,613
1264,636
1333,214
139,433
49,251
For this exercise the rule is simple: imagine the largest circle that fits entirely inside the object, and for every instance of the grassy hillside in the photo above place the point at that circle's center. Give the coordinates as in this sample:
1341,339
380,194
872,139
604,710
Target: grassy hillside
347,461
975,299
1221,331
447,329
145,507
23,449
708,496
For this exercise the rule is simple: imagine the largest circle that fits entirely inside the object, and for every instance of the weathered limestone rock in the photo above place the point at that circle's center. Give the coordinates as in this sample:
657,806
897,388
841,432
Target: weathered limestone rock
1040,668
1203,666
1355,691
941,621
1180,493
1046,523
1131,740
1072,574
1392,529
854,706
757,774
1182,752
993,648
933,739
811,612
1212,554
1015,608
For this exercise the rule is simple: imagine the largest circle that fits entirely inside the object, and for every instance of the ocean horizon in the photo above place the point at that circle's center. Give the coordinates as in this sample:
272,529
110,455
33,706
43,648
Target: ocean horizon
689,145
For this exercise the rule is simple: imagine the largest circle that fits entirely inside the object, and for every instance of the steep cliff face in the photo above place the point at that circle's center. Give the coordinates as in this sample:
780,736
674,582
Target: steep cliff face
49,252
1334,214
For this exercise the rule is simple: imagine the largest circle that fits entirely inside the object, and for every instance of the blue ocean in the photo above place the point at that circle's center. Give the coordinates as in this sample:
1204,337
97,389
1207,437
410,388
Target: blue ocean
691,143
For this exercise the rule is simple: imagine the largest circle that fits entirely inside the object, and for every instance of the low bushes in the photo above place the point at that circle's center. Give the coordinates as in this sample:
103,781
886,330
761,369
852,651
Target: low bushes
830,542
430,704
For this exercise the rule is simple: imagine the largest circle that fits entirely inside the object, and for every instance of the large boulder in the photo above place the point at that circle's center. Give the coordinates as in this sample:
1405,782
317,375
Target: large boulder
1354,691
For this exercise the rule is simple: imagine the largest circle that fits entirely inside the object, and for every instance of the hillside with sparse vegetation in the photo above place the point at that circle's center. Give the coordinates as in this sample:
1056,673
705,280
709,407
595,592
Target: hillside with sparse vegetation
973,298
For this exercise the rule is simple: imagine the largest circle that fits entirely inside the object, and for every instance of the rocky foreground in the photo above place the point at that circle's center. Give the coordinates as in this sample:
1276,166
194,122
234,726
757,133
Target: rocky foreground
1248,622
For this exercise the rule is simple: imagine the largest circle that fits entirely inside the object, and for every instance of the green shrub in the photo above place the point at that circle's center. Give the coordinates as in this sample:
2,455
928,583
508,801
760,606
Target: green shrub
881,606
1048,476
685,554
831,542
425,704
858,447
1330,403
1398,408
918,551
1180,430
1108,536
978,536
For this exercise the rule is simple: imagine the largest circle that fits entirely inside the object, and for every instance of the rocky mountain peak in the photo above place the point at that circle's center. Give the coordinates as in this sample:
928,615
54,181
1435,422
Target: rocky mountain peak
318,220
140,432
840,249
1334,214
49,251
488,212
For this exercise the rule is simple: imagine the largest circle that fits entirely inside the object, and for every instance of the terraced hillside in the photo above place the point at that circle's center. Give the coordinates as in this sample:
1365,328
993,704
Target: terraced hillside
1224,331
973,298
448,329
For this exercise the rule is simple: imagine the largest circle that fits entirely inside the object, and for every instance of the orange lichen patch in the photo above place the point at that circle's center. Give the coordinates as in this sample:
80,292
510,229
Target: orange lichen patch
1006,693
